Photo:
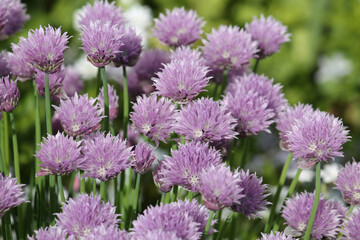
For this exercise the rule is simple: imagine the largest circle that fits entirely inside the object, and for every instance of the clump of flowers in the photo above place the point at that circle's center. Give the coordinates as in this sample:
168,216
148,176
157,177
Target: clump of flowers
12,17
351,227
113,101
348,183
18,64
143,158
9,94
178,27
55,82
269,34
275,236
130,50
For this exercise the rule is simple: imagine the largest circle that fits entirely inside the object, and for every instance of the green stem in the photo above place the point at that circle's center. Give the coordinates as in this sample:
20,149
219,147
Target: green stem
106,99
126,102
231,154
175,193
94,186
224,225
190,195
7,225
345,221
244,148
278,191
15,148
103,190
256,65
47,105
294,183
208,224
98,82
135,198
6,144
223,85
215,90
82,183
60,188
233,227
316,202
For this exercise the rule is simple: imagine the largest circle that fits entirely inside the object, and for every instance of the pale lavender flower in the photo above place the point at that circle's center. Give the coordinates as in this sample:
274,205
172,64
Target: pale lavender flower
275,236
113,101
186,53
11,194
15,17
143,158
168,219
348,183
44,48
187,163
220,187
107,233
340,209
205,120
79,115
9,94
297,212
101,42
72,83
158,234
3,14
80,216
178,27
18,64
130,49
55,82
250,110
352,227
228,48
153,117
317,137
269,34
59,155
53,233
159,178
4,66
102,10
255,194
181,80
105,157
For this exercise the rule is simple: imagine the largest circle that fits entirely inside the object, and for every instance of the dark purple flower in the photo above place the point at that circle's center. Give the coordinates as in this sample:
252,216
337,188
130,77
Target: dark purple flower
18,64
59,155
130,49
113,101
205,120
269,33
178,27
11,194
72,83
107,233
159,178
352,227
187,163
255,194
348,183
143,158
53,233
15,17
275,236
44,48
186,53
9,94
153,117
317,137
4,65
55,82
79,115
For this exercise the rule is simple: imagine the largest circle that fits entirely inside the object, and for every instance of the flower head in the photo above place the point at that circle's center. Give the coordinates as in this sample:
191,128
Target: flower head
72,83
80,216
153,117
269,33
130,49
181,80
348,183
205,120
275,236
113,101
158,234
178,27
79,115
297,212
53,232
107,233
254,192
101,42
4,66
59,155
316,138
159,178
143,158
352,227
220,187
11,194
186,53
18,64
55,82
9,94
228,48
186,164
3,14
15,17
105,156
44,48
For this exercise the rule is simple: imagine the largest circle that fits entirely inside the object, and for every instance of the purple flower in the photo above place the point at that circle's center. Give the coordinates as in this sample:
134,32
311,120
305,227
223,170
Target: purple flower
130,49
59,155
107,233
102,10
228,48
9,94
79,115
15,17
181,80
11,194
53,232
101,42
113,101
287,118
105,157
352,227
275,236
178,27
254,192
220,187
168,219
153,117
250,110
205,120
4,66
269,33
348,183
81,215
3,14
55,82
340,208
143,158
186,53
72,83
159,178
187,163
158,234
316,138
297,212
18,64
44,48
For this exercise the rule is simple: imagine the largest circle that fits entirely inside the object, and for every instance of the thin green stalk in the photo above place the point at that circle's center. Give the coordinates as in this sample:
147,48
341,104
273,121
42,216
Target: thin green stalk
103,190
126,102
135,198
71,183
106,99
223,226
37,132
47,105
215,90
60,188
82,182
6,144
190,195
223,85
256,65
244,148
1,162
345,221
316,202
94,186
232,151
294,183
233,227
278,191
174,193
7,223
98,82
208,224
15,148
